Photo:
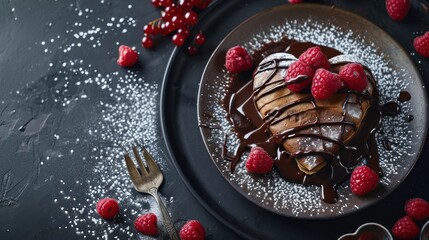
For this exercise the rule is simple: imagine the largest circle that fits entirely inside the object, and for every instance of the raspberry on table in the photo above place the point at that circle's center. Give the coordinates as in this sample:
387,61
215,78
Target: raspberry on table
405,229
238,60
325,84
353,76
363,180
127,56
147,224
107,208
421,44
259,161
417,208
192,230
299,71
315,58
295,1
397,9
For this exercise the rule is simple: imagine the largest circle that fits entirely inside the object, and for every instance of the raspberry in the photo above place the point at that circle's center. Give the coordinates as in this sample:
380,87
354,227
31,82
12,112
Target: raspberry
405,228
397,9
354,76
259,161
295,1
192,230
237,60
417,208
127,56
315,58
421,44
107,208
146,224
363,180
297,70
325,84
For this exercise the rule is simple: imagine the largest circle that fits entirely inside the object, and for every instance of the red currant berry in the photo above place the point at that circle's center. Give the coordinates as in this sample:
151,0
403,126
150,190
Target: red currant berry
169,12
155,30
178,21
194,2
200,39
150,29
185,6
191,18
147,29
192,50
203,4
156,3
184,31
178,39
166,28
165,3
147,41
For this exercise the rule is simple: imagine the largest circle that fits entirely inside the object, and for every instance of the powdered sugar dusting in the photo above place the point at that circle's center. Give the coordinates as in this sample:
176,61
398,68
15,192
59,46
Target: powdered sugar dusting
127,114
120,129
296,199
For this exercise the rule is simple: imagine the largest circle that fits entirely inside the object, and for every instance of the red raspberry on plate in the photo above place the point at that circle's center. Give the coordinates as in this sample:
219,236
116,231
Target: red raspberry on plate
127,56
315,58
421,44
107,208
417,208
259,161
238,60
397,9
192,230
325,84
405,229
147,224
301,72
354,76
295,1
363,180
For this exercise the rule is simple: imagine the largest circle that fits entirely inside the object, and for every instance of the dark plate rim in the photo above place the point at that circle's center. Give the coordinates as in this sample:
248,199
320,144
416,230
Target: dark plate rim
169,148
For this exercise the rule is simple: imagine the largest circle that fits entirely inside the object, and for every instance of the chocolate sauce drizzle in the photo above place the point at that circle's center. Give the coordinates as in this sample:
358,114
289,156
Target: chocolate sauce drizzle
253,129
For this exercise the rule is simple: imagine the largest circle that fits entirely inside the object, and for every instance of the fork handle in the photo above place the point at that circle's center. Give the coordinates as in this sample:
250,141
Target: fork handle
168,222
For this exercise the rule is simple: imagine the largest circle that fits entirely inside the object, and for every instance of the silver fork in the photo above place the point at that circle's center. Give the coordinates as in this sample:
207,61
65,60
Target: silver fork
148,180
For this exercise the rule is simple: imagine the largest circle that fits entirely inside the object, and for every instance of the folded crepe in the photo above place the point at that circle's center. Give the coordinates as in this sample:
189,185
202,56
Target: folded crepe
311,131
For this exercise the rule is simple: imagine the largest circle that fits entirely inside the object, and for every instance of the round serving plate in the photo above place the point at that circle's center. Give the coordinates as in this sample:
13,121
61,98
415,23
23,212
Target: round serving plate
351,34
226,195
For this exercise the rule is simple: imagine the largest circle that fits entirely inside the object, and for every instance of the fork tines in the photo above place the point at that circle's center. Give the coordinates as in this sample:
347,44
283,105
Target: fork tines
145,170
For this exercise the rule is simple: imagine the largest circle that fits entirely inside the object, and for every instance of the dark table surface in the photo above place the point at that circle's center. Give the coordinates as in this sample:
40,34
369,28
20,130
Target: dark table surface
67,109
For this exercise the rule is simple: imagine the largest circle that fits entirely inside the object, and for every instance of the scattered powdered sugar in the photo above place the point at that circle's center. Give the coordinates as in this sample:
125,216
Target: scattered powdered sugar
127,115
128,118
296,199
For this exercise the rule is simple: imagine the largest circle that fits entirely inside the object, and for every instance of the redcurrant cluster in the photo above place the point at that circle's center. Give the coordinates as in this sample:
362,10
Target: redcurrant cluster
177,17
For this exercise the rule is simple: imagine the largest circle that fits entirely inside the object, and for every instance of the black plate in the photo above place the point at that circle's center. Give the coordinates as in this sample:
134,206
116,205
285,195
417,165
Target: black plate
190,157
391,67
